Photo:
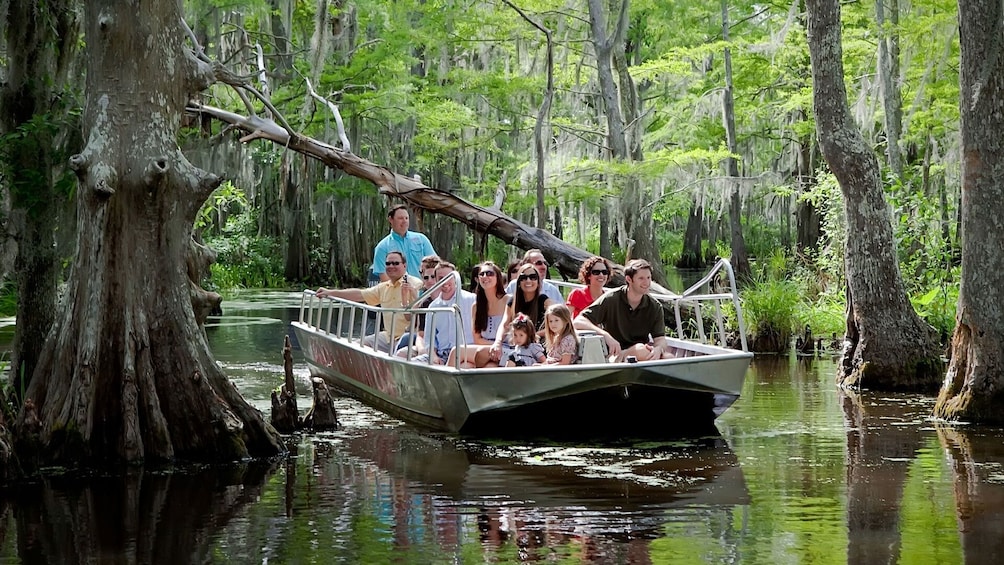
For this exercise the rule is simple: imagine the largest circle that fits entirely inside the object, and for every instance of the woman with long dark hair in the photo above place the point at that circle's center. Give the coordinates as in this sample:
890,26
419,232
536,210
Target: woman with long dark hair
489,310
528,299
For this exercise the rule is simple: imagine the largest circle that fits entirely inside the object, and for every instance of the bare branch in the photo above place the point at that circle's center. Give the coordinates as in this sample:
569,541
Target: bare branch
334,110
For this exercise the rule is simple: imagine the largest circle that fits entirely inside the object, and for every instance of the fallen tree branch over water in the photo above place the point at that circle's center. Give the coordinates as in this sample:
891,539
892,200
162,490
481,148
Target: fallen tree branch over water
566,258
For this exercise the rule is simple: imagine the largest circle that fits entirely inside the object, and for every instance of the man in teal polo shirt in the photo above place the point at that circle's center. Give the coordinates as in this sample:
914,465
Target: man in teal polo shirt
412,244
630,321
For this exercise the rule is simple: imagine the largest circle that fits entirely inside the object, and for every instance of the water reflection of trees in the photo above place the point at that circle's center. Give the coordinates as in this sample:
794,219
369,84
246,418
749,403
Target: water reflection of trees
977,462
440,498
883,437
140,516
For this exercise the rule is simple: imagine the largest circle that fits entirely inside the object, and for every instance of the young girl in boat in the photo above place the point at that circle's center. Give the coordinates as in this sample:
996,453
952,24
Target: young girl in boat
560,339
527,350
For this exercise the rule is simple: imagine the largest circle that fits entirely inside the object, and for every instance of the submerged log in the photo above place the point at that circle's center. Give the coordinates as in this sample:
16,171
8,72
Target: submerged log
322,415
285,414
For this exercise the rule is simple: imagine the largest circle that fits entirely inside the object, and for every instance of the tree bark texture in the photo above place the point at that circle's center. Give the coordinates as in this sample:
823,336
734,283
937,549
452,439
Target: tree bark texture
126,373
285,414
974,386
889,346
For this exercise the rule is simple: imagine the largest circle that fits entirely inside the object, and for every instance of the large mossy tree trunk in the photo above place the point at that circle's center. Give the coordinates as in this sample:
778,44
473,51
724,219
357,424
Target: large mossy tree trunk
126,373
974,386
888,346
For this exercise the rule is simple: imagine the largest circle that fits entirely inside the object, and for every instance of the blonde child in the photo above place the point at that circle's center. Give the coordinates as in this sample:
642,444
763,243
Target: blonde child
560,339
524,338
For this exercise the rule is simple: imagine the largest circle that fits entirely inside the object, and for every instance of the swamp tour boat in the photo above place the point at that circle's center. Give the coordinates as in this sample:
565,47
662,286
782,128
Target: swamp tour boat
670,397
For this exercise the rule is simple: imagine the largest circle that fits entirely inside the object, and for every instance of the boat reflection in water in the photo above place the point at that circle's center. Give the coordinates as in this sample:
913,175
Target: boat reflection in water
596,503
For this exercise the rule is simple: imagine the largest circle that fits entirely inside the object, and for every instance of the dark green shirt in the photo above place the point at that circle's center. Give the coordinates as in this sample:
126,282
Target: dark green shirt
625,324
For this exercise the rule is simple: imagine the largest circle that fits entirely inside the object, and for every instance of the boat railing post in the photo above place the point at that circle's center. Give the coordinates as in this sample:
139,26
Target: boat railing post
341,319
458,323
314,313
727,266
303,302
352,323
720,322
330,309
679,319
699,317
390,333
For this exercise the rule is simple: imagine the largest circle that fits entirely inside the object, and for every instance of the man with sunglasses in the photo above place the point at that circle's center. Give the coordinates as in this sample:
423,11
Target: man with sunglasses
398,291
630,321
412,244
535,257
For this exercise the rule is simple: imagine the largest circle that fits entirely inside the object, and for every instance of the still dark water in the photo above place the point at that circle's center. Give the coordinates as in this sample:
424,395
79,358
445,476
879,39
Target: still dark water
802,473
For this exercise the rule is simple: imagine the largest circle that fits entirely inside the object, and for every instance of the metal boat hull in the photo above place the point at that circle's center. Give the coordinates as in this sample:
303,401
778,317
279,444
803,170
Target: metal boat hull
657,398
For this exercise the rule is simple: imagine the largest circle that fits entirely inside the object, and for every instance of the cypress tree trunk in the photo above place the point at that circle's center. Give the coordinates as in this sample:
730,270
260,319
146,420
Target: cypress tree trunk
890,347
740,258
974,386
41,40
691,257
126,373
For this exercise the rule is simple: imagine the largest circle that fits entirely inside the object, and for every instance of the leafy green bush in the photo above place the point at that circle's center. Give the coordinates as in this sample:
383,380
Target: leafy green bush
938,307
243,258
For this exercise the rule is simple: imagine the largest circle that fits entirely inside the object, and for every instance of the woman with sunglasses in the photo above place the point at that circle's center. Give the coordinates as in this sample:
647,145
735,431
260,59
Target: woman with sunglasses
487,314
527,299
594,273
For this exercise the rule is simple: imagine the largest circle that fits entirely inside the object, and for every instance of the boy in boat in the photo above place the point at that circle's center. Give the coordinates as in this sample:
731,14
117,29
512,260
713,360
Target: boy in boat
396,292
628,318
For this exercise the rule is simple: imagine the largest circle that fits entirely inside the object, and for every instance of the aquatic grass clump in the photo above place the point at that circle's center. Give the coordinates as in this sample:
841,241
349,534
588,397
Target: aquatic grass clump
770,310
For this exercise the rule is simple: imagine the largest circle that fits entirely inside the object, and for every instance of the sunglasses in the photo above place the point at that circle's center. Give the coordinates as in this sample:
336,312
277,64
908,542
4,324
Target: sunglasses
531,277
599,272
428,277
392,263
540,262
486,274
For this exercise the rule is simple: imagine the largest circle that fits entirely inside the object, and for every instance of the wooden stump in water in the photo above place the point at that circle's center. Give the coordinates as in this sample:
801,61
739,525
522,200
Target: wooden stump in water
285,415
322,415
805,344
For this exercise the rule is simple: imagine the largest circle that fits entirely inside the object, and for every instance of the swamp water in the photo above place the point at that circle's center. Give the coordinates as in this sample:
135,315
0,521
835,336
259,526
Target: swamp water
801,473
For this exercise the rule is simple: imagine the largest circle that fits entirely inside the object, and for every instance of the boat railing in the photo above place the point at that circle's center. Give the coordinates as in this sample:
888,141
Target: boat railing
320,313
696,299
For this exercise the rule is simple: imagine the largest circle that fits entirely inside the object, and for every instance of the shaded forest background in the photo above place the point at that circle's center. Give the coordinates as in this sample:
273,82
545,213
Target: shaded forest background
699,128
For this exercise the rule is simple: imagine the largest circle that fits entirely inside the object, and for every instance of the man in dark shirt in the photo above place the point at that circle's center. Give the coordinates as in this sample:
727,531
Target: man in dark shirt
630,321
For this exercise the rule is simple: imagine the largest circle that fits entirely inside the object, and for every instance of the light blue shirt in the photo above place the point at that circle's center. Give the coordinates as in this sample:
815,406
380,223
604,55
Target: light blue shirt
414,245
